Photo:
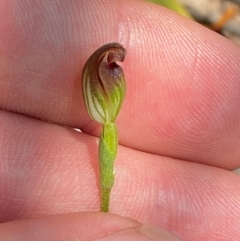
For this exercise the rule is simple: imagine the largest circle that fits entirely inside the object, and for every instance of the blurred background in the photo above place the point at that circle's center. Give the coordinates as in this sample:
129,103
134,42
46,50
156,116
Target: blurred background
222,16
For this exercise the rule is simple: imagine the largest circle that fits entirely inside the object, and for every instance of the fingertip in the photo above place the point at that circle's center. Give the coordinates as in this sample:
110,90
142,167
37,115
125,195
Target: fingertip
78,226
141,233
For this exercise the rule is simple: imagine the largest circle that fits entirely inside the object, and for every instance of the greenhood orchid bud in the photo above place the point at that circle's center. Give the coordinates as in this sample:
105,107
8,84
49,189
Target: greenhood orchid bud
104,89
104,84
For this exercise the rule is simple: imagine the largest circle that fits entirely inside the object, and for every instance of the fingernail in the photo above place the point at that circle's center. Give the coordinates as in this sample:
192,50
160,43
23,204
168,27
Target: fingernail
141,233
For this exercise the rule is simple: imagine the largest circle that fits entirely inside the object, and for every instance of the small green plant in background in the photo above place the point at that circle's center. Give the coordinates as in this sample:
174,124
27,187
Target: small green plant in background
104,89
173,5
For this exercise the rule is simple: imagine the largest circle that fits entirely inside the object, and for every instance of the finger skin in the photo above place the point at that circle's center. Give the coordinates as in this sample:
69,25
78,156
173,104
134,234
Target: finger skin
83,227
47,169
79,226
182,79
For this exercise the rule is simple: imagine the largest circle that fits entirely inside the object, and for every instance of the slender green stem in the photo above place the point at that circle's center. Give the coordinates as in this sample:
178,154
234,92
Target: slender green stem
105,199
107,154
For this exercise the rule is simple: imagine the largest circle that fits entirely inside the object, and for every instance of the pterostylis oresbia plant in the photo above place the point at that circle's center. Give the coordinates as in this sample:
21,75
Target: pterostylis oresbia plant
104,89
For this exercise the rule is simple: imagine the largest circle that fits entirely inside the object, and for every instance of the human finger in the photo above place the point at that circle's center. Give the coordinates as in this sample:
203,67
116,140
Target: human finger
47,169
182,79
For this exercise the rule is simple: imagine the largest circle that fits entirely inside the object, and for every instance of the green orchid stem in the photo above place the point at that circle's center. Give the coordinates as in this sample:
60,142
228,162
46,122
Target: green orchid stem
108,145
105,199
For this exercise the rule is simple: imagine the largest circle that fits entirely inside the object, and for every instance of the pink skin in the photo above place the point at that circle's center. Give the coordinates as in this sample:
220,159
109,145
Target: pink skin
179,125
